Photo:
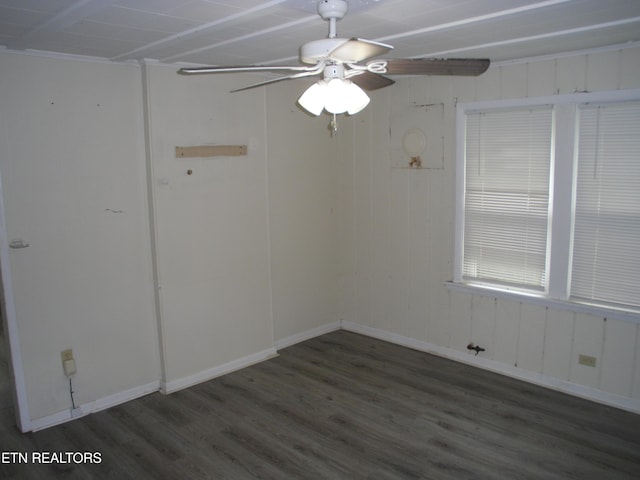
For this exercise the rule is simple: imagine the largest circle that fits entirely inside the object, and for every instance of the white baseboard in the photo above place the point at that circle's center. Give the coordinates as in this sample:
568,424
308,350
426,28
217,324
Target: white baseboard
589,393
95,406
582,391
137,392
185,382
309,334
203,376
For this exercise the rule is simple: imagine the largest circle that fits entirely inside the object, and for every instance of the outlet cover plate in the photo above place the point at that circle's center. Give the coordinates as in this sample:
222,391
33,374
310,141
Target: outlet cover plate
66,355
587,360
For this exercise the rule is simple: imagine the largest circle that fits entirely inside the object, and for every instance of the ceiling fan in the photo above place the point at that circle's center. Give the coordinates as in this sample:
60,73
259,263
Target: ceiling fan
347,66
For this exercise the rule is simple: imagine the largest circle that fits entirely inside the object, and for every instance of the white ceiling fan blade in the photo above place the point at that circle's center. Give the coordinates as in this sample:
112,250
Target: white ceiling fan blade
246,68
356,50
279,79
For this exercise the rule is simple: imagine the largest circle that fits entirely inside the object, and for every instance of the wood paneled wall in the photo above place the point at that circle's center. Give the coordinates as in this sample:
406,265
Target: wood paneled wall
403,235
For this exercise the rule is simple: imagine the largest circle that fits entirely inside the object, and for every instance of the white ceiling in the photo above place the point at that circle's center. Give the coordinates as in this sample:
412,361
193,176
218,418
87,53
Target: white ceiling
243,32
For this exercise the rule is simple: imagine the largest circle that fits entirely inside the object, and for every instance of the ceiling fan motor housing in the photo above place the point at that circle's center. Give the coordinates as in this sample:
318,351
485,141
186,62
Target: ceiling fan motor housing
318,50
329,9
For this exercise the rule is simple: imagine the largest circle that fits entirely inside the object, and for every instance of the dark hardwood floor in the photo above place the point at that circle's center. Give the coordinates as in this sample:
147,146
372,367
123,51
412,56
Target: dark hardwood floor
344,406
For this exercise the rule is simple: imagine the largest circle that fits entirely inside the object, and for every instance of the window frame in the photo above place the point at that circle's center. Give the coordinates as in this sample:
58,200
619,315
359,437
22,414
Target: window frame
500,188
556,291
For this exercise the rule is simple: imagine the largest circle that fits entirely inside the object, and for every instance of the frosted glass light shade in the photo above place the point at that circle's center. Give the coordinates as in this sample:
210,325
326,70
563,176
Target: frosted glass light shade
312,100
336,96
356,99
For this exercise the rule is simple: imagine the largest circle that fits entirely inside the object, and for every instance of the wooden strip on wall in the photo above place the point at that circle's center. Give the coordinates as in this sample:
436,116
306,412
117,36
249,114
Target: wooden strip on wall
211,151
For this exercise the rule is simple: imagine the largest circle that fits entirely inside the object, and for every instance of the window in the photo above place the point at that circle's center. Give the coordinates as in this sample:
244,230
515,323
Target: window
506,198
606,234
549,197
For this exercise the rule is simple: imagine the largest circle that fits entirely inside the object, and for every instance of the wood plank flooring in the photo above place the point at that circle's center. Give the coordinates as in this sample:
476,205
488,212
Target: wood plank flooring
345,406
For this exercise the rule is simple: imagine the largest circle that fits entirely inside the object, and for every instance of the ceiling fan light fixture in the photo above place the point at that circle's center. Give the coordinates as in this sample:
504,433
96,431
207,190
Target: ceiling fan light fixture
335,96
345,96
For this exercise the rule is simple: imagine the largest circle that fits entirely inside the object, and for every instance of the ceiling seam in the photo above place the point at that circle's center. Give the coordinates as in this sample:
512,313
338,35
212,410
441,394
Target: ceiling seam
434,28
542,36
293,23
458,23
480,18
61,20
196,30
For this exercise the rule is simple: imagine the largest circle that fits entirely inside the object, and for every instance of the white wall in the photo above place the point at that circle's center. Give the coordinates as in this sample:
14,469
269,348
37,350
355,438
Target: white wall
71,146
404,227
243,248
212,225
245,245
306,212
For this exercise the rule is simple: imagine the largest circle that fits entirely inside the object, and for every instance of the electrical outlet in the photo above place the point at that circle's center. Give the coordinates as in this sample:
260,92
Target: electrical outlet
68,363
587,360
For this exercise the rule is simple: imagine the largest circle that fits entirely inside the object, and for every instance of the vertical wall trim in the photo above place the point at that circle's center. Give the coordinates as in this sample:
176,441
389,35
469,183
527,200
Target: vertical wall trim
605,324
407,256
619,70
268,213
518,333
459,199
544,338
572,345
15,356
563,161
353,311
634,366
370,220
153,232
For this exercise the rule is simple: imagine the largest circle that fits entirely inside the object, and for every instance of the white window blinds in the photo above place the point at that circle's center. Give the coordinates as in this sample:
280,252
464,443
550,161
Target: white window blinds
606,239
506,202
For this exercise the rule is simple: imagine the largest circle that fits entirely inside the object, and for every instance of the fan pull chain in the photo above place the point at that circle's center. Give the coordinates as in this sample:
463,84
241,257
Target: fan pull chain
333,126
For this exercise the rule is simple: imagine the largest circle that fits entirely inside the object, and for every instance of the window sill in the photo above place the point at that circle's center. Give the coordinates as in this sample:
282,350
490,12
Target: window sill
539,299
